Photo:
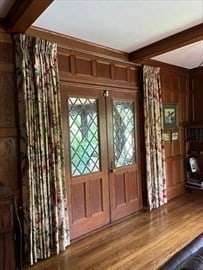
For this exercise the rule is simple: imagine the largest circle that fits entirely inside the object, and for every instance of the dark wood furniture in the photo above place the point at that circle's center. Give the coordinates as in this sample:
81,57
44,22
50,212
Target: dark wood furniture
10,231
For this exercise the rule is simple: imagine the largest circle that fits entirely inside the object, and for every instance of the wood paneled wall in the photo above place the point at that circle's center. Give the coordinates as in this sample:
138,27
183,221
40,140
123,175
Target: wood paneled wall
87,63
86,69
175,83
196,97
9,157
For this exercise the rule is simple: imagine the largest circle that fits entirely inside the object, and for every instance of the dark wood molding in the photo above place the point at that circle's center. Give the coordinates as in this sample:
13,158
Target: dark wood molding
23,13
8,132
162,65
79,45
173,42
197,70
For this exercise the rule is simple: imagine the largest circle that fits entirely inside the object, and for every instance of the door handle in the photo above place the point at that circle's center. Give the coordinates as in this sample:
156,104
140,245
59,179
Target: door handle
111,167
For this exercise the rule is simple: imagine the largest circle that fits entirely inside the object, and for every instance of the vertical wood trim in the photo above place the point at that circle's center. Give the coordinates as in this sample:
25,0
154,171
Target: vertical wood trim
112,71
128,74
73,64
126,187
87,202
94,68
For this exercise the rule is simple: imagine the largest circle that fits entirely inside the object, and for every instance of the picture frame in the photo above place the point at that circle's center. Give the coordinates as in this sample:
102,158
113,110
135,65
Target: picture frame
169,115
167,136
174,136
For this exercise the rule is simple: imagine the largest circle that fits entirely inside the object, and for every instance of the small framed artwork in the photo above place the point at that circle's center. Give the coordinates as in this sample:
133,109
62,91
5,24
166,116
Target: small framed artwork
174,136
166,136
170,115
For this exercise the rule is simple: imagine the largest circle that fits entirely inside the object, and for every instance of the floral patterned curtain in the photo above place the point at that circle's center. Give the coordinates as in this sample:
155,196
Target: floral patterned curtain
46,225
153,125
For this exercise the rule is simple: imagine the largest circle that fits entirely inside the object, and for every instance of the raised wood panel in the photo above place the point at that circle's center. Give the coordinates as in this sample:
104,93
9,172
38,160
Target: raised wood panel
6,53
125,193
196,97
8,257
7,100
78,204
103,70
167,149
95,196
5,217
176,146
133,75
175,83
120,186
83,66
9,156
178,170
182,111
9,163
169,172
64,63
183,83
165,81
121,73
133,184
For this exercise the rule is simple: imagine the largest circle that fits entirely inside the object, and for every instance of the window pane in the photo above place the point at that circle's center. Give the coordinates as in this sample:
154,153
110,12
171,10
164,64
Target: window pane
123,133
84,140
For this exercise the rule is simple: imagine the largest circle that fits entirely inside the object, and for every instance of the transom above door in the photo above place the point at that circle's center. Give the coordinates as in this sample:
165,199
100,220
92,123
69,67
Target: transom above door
101,157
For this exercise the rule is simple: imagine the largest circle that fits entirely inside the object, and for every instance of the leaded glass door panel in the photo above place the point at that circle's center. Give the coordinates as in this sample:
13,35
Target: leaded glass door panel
86,159
124,176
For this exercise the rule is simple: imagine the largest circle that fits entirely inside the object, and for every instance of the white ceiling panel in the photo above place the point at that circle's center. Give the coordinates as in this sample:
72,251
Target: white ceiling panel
126,25
190,56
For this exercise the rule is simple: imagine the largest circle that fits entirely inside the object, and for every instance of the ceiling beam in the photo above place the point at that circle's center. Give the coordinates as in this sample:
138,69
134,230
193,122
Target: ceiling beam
173,42
23,13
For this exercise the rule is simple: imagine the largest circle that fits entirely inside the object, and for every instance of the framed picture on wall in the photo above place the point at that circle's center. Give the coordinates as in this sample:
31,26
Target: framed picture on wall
167,136
170,115
174,136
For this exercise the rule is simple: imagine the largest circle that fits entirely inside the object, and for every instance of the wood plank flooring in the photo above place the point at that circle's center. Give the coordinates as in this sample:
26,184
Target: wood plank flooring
143,241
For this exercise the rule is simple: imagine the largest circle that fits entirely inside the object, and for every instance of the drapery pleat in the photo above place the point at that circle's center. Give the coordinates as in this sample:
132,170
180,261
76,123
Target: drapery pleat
46,223
153,126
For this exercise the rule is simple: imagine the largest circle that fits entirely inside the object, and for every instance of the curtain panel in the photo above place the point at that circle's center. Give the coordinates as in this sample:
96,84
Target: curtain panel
153,127
46,224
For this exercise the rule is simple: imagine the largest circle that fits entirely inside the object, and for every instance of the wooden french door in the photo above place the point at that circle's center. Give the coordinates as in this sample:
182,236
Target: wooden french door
124,165
100,157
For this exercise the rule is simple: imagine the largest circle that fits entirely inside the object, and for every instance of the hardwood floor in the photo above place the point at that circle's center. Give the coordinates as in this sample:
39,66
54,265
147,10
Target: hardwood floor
143,241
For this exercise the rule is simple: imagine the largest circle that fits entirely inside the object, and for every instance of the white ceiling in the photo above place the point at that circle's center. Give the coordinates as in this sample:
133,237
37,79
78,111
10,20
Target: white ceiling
190,56
126,25
5,5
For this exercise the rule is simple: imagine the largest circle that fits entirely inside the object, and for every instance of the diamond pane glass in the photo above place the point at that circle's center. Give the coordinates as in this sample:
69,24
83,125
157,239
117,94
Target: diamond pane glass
123,133
84,139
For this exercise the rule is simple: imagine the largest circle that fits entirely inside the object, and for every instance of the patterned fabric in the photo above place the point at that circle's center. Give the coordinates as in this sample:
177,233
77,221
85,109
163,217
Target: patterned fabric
153,113
46,224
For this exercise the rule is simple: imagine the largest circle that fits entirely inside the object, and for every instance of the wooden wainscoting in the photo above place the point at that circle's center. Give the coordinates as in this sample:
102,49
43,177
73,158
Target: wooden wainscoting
175,83
143,241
